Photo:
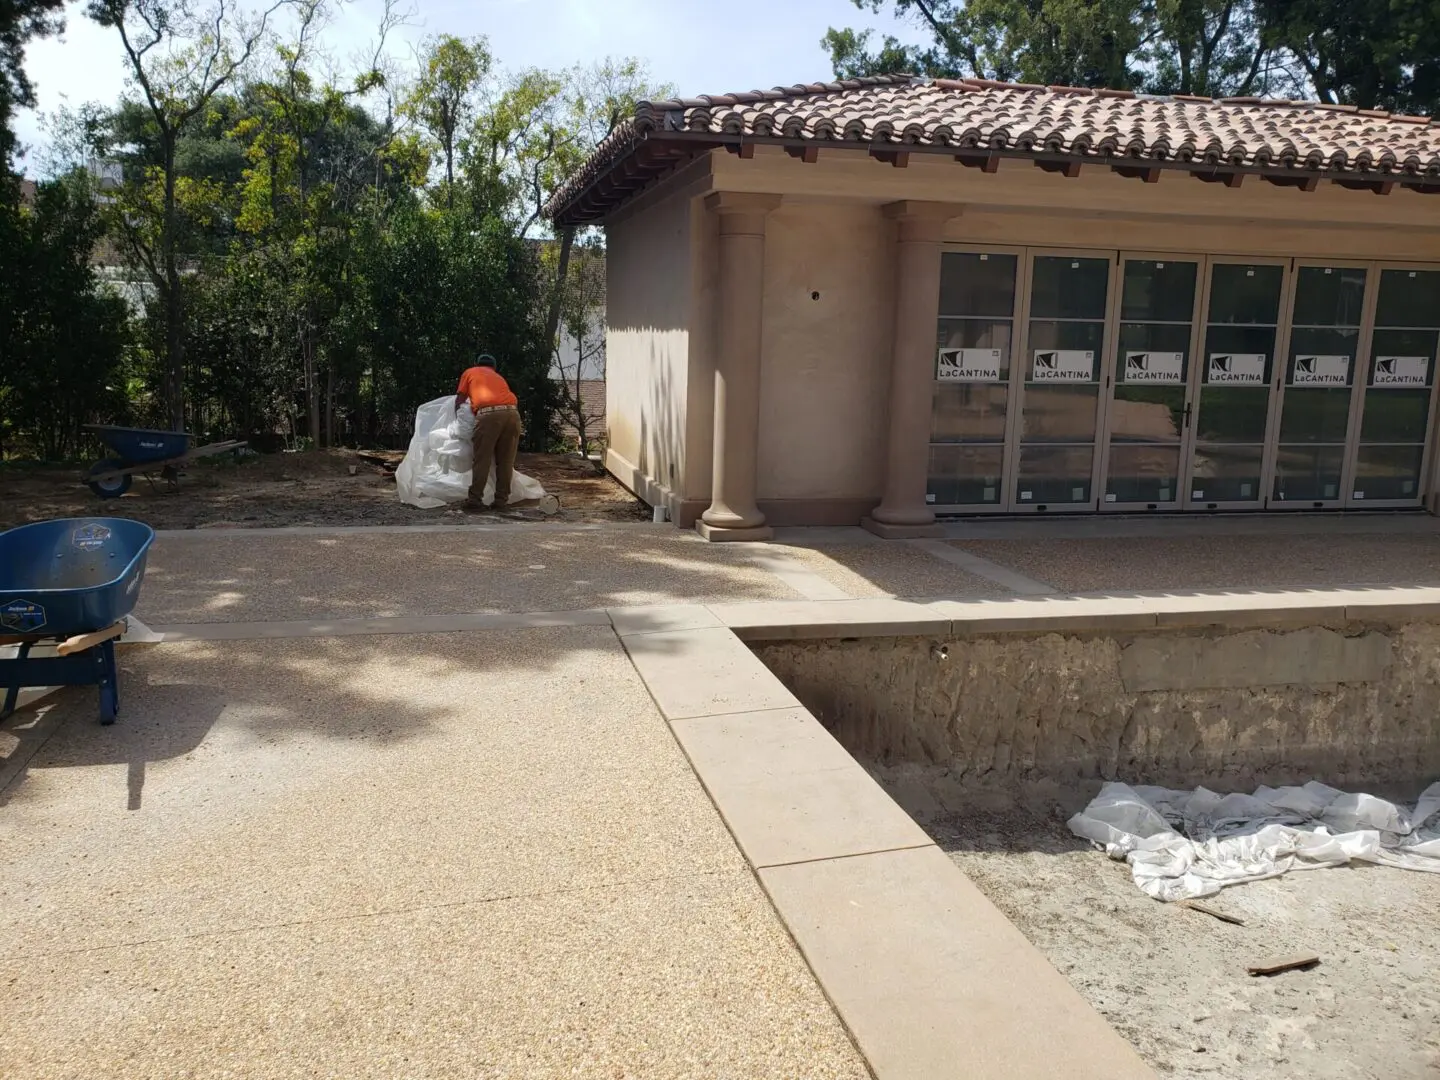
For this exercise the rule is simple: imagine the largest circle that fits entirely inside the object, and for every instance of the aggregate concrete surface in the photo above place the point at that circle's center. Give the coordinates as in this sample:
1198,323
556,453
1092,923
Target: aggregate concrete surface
1327,557
476,855
252,576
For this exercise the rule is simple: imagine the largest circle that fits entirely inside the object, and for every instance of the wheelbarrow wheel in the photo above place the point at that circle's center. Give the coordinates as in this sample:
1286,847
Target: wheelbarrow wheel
112,487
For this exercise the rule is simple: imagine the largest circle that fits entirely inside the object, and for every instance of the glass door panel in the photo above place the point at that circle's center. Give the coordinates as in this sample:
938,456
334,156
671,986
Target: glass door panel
1233,401
1395,414
1065,342
1319,377
972,376
1152,367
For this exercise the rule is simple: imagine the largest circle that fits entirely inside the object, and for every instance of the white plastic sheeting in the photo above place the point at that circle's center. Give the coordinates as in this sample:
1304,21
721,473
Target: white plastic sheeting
1185,844
436,469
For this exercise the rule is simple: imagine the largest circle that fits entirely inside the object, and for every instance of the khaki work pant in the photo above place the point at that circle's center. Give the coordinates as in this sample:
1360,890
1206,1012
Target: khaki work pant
497,438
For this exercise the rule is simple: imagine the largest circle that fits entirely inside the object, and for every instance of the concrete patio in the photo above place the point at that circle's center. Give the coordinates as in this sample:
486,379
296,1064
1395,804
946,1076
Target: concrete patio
516,801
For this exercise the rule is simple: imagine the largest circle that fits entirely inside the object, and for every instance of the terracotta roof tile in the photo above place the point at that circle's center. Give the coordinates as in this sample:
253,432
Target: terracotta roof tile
950,114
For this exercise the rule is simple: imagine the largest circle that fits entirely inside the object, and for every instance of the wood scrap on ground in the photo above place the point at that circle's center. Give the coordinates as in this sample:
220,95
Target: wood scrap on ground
1292,963
1205,909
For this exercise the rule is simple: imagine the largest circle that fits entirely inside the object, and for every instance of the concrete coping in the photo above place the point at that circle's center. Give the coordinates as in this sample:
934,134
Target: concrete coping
785,620
927,974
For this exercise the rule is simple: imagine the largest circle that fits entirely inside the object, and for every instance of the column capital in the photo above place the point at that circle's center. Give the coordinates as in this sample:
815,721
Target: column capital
741,213
921,221
741,202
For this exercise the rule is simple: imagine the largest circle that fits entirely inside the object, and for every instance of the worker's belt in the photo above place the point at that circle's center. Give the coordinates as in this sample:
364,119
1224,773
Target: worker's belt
495,408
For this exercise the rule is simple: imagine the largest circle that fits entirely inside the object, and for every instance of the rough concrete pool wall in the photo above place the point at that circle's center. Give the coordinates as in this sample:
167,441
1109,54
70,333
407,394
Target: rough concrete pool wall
1352,704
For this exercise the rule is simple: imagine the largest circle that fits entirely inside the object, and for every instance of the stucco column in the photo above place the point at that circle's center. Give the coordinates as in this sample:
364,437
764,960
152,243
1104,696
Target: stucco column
902,511
733,514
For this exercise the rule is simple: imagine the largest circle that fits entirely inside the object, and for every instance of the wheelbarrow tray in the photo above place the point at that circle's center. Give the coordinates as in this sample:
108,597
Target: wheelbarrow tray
142,445
60,580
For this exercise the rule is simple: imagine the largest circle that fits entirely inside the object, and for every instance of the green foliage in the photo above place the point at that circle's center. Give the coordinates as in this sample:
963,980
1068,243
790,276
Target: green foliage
65,337
1372,53
298,273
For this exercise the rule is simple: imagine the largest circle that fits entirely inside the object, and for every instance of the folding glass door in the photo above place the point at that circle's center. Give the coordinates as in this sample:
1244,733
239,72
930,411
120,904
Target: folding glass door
1389,457
979,293
1231,415
1066,323
1150,401
1317,392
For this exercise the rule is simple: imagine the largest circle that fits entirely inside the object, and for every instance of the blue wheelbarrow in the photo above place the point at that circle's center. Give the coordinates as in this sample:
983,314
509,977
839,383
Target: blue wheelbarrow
146,451
72,582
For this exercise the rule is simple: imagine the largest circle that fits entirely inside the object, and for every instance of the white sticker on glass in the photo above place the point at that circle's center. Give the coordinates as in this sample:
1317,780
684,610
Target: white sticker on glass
1163,368
1400,371
929,497
1242,369
1077,494
1063,365
1321,371
1245,491
989,495
1025,495
968,365
1197,494
1357,494
1164,495
1109,496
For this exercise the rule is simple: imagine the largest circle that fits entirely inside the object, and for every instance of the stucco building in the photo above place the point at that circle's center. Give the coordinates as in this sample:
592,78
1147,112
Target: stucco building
886,299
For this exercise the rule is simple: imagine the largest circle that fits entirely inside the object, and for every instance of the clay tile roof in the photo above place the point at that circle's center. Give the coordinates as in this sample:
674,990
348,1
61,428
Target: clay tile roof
955,115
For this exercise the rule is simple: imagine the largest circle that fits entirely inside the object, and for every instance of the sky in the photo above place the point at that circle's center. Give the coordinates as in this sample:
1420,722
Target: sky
698,48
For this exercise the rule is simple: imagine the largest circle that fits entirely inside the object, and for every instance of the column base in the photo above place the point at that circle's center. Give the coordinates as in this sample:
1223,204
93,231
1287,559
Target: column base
718,534
902,532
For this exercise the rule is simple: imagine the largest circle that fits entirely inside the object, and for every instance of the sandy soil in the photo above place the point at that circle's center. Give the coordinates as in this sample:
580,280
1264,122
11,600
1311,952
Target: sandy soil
310,488
1173,981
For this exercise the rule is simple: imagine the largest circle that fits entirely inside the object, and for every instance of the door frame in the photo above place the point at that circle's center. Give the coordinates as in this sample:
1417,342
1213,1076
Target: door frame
1352,450
1272,415
1112,380
1016,413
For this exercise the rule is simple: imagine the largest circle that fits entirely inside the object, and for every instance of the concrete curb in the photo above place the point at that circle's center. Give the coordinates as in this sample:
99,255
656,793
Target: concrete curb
929,977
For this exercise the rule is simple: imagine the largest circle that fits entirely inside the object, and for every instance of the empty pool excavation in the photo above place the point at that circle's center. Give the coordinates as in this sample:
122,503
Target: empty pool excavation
992,738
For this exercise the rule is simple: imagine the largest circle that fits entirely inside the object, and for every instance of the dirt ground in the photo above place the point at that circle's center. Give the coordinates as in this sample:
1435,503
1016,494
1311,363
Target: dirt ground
1173,980
305,488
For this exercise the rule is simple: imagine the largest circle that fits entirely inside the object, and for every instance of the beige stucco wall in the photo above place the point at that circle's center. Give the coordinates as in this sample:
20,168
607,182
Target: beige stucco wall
647,342
825,360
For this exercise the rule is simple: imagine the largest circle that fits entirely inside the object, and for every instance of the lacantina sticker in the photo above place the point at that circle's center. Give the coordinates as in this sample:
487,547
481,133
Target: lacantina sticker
1242,369
1400,371
968,365
1320,371
1164,368
1063,365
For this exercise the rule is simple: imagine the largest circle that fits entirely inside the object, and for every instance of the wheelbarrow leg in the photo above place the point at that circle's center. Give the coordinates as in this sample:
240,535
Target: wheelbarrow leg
109,683
12,692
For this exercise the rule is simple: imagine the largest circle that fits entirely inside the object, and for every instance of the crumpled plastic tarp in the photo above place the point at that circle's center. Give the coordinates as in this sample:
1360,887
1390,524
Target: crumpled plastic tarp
1186,844
436,469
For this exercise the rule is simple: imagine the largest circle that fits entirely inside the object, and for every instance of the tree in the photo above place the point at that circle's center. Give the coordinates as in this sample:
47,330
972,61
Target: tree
65,339
443,101
582,306
20,20
1377,54
1214,47
179,58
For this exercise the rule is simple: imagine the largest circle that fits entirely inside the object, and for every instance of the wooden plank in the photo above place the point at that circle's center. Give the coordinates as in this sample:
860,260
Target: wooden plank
81,642
1290,963
1205,909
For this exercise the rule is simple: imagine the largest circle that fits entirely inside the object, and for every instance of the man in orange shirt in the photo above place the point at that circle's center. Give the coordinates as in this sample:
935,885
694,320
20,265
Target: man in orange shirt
497,429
